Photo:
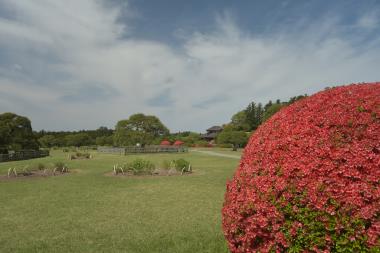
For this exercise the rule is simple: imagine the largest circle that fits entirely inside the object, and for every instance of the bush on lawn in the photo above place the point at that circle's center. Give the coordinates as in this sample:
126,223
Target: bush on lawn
309,177
41,166
181,164
59,166
82,155
141,166
166,165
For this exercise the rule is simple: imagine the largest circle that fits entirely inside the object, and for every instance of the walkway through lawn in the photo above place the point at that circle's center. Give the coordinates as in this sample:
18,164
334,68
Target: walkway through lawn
216,153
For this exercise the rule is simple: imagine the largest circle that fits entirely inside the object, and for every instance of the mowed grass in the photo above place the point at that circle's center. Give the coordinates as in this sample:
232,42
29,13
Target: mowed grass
227,151
87,211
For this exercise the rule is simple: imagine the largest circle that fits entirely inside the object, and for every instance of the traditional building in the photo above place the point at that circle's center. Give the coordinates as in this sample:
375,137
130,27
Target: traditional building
211,134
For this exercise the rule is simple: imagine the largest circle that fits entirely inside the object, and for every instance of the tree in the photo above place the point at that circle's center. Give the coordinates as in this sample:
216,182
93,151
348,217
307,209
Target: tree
250,112
16,133
272,110
139,128
259,115
236,138
47,141
239,121
254,115
79,139
267,105
104,141
296,98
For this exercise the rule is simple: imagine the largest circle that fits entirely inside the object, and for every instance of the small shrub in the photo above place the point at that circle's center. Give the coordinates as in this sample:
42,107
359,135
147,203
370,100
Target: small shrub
165,165
119,169
41,166
59,165
141,166
26,171
82,155
79,155
180,164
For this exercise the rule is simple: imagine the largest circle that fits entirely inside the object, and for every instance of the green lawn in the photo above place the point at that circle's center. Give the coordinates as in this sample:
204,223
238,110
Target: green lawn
87,211
227,151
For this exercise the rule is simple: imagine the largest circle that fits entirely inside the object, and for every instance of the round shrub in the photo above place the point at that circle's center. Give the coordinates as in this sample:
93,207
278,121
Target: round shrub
141,166
181,164
309,177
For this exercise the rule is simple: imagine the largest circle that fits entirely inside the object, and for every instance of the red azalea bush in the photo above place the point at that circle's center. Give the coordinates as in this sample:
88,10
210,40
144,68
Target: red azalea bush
165,143
178,143
309,177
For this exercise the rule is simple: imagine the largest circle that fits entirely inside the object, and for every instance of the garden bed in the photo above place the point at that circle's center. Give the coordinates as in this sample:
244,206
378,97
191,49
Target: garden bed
140,167
33,174
40,171
155,173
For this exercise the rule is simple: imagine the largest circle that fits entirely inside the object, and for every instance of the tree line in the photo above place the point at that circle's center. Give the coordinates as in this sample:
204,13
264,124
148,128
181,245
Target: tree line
244,122
16,134
16,131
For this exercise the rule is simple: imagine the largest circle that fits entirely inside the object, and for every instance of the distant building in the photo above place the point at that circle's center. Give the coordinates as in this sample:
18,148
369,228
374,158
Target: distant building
211,134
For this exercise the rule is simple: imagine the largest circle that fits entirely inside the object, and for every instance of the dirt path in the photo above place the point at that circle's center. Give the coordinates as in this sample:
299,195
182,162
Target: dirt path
216,154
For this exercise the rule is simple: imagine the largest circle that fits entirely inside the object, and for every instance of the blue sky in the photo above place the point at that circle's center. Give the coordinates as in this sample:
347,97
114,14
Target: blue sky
70,65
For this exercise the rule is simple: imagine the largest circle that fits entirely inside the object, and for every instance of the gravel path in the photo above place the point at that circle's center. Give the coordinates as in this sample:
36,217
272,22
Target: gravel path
216,154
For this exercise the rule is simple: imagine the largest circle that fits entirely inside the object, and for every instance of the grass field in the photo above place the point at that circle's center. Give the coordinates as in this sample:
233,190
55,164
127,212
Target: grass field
227,151
87,211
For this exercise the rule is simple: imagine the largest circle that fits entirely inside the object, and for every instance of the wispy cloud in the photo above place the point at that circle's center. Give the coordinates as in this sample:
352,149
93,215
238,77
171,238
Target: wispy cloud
81,67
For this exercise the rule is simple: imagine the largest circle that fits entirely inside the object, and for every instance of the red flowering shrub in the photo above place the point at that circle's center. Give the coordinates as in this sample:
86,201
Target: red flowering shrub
309,177
178,143
165,143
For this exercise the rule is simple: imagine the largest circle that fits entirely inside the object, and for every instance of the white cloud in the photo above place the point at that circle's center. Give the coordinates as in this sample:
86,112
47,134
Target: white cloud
78,72
369,20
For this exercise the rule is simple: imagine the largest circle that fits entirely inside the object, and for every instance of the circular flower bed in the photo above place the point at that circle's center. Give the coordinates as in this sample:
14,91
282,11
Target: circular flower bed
309,177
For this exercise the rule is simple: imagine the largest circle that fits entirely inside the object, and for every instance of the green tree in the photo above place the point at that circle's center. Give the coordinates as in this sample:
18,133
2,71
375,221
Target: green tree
296,98
236,138
272,110
47,141
259,115
16,133
254,114
104,141
139,128
239,121
267,105
79,139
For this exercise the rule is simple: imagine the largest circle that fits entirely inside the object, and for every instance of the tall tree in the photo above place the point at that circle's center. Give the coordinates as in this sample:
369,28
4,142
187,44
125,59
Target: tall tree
254,115
270,111
250,112
239,121
16,133
139,128
235,138
267,105
296,98
259,115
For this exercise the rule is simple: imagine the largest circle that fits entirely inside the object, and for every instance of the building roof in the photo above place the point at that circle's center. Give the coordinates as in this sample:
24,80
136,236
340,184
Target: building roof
215,128
209,136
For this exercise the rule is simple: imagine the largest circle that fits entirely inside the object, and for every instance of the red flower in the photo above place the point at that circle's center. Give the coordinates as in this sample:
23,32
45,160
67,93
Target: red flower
321,153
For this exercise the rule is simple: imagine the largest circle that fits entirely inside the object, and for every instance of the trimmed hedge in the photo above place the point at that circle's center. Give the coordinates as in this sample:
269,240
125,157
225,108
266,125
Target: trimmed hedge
309,177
